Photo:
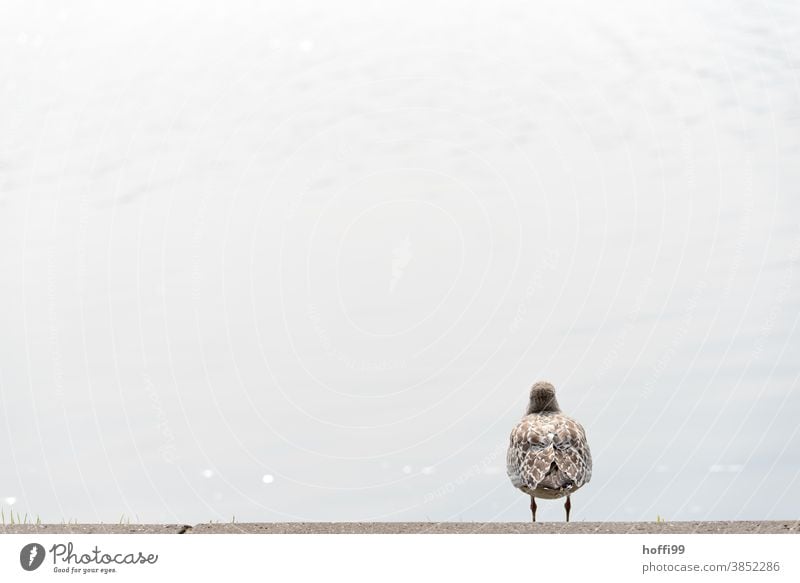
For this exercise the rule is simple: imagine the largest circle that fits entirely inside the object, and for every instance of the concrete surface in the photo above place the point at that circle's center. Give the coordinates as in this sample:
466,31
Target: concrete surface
94,529
501,528
741,527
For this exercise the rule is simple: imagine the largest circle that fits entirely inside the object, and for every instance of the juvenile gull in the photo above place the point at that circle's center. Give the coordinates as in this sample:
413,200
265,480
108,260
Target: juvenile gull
548,456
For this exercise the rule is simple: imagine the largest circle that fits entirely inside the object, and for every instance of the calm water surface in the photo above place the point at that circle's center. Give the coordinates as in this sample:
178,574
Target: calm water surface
303,263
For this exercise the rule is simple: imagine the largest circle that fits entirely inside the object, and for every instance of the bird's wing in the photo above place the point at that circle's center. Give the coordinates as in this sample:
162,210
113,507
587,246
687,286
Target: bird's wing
530,454
572,454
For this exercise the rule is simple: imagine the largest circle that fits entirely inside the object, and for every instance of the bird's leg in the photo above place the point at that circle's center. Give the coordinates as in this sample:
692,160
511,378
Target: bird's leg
567,506
533,508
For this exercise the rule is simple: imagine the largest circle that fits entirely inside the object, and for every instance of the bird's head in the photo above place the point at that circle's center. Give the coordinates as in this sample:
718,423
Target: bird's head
543,398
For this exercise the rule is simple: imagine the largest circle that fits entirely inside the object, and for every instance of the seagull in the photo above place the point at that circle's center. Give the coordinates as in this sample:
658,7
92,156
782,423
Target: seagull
548,456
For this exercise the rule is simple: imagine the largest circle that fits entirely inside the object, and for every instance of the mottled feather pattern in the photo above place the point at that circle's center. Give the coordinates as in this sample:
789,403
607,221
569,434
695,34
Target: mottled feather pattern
549,455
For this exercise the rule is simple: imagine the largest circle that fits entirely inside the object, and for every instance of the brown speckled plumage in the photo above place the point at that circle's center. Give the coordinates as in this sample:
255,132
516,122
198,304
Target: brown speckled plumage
548,455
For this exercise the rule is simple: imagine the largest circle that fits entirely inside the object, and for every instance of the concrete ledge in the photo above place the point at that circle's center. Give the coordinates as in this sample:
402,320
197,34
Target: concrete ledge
772,527
94,529
732,527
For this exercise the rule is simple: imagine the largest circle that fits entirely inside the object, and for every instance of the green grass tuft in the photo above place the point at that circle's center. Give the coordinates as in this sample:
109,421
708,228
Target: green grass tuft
14,518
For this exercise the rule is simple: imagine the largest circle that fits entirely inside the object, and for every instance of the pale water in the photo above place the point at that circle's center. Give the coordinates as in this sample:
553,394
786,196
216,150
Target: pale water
304,263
